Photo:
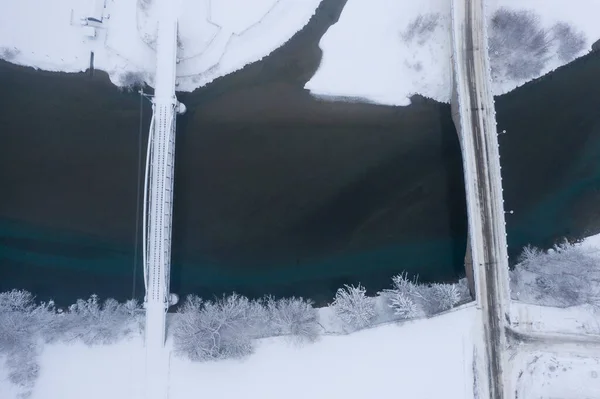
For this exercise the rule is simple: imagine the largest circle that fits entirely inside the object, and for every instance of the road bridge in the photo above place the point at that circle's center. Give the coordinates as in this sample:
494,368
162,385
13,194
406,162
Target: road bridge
474,115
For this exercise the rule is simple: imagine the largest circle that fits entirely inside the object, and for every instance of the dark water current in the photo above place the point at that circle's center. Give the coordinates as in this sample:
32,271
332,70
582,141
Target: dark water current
277,192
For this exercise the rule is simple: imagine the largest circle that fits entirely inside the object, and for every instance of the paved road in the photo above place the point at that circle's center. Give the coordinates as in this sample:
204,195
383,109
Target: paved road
477,129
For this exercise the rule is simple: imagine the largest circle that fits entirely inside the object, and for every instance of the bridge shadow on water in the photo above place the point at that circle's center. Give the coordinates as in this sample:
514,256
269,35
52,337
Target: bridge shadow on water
276,191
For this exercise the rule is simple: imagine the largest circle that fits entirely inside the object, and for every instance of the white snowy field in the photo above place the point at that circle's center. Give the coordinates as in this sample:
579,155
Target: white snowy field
548,375
571,320
384,51
372,54
216,37
428,358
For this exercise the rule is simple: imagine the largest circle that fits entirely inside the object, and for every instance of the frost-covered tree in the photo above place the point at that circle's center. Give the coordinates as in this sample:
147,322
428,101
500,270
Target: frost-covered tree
443,297
23,368
403,306
25,325
405,297
294,317
353,307
566,275
214,329
409,299
95,322
21,320
225,328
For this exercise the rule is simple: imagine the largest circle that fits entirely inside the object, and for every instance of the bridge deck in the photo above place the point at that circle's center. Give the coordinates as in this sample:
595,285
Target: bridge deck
473,109
159,202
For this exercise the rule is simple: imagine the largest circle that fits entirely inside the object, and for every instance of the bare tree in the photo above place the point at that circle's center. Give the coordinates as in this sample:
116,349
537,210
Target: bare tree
421,28
8,53
570,42
132,80
518,44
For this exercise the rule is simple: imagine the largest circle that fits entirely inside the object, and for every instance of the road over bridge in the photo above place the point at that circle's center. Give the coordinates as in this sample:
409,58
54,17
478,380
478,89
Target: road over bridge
474,116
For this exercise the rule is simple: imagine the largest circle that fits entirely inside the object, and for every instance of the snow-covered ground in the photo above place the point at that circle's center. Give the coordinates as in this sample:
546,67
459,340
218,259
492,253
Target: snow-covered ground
380,51
404,359
216,37
571,320
548,375
563,359
372,52
384,51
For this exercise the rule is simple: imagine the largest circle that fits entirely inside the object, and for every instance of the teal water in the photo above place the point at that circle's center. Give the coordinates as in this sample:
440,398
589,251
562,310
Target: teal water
65,266
551,156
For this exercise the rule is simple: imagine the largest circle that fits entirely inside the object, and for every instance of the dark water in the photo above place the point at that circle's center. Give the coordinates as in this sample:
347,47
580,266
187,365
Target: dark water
277,192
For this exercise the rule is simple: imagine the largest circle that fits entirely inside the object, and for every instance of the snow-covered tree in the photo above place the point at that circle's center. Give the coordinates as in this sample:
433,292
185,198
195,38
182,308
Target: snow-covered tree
443,297
410,299
404,297
21,320
23,368
403,306
566,275
95,322
294,317
353,307
214,329
25,325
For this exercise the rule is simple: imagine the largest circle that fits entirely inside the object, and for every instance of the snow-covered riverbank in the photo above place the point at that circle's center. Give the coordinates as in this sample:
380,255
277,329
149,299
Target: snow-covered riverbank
385,51
373,362
380,51
216,37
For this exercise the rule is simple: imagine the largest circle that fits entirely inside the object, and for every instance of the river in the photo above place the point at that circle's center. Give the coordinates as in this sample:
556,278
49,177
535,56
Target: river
276,191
